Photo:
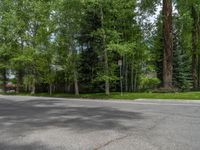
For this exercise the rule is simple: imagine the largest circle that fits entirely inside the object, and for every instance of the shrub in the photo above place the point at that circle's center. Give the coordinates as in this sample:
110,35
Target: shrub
147,83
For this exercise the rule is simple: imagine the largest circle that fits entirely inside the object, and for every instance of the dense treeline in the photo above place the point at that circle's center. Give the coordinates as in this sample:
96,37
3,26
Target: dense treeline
99,45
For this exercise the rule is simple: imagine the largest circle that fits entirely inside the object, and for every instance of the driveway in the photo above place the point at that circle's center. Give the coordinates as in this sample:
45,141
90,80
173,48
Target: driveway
35,123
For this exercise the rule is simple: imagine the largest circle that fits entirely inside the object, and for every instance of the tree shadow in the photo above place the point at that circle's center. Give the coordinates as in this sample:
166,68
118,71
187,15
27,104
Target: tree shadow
31,146
35,114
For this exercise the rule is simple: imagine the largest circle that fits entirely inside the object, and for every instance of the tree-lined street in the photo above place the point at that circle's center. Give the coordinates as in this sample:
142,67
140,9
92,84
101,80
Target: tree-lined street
92,50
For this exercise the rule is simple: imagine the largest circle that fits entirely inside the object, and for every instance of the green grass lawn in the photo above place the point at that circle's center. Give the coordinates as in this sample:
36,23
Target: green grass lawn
132,96
128,96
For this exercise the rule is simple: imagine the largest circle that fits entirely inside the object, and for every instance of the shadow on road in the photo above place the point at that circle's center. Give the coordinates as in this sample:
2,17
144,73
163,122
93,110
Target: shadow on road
43,113
32,146
20,118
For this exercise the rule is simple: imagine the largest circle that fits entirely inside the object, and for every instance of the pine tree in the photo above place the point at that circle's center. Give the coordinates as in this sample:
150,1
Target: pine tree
181,60
157,49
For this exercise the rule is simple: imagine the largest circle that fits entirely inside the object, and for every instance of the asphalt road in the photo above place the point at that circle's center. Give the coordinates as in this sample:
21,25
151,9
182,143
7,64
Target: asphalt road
31,123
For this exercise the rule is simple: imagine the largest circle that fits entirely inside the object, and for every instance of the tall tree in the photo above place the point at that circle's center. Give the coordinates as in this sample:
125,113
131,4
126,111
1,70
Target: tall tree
68,16
181,57
191,10
8,38
168,44
195,14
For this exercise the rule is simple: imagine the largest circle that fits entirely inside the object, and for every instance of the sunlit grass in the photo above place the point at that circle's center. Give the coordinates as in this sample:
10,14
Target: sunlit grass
132,96
128,96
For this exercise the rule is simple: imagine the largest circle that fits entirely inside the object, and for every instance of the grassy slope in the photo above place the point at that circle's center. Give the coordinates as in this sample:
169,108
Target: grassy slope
130,96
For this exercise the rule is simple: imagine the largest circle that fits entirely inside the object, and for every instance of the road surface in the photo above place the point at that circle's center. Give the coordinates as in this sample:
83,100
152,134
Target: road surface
34,123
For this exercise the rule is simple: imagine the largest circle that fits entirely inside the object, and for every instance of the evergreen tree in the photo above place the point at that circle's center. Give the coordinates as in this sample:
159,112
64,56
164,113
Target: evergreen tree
181,60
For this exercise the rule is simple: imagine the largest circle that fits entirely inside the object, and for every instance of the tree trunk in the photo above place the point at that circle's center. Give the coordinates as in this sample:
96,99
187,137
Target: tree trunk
106,68
194,50
168,44
33,88
76,87
19,81
107,84
135,81
132,78
4,75
121,82
19,76
126,75
50,89
198,70
18,85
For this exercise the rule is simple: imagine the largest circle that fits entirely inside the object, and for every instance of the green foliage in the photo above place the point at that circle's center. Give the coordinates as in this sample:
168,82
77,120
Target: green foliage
68,43
181,64
122,48
28,81
147,83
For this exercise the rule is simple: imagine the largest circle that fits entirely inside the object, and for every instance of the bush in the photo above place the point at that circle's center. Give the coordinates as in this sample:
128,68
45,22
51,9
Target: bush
147,83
